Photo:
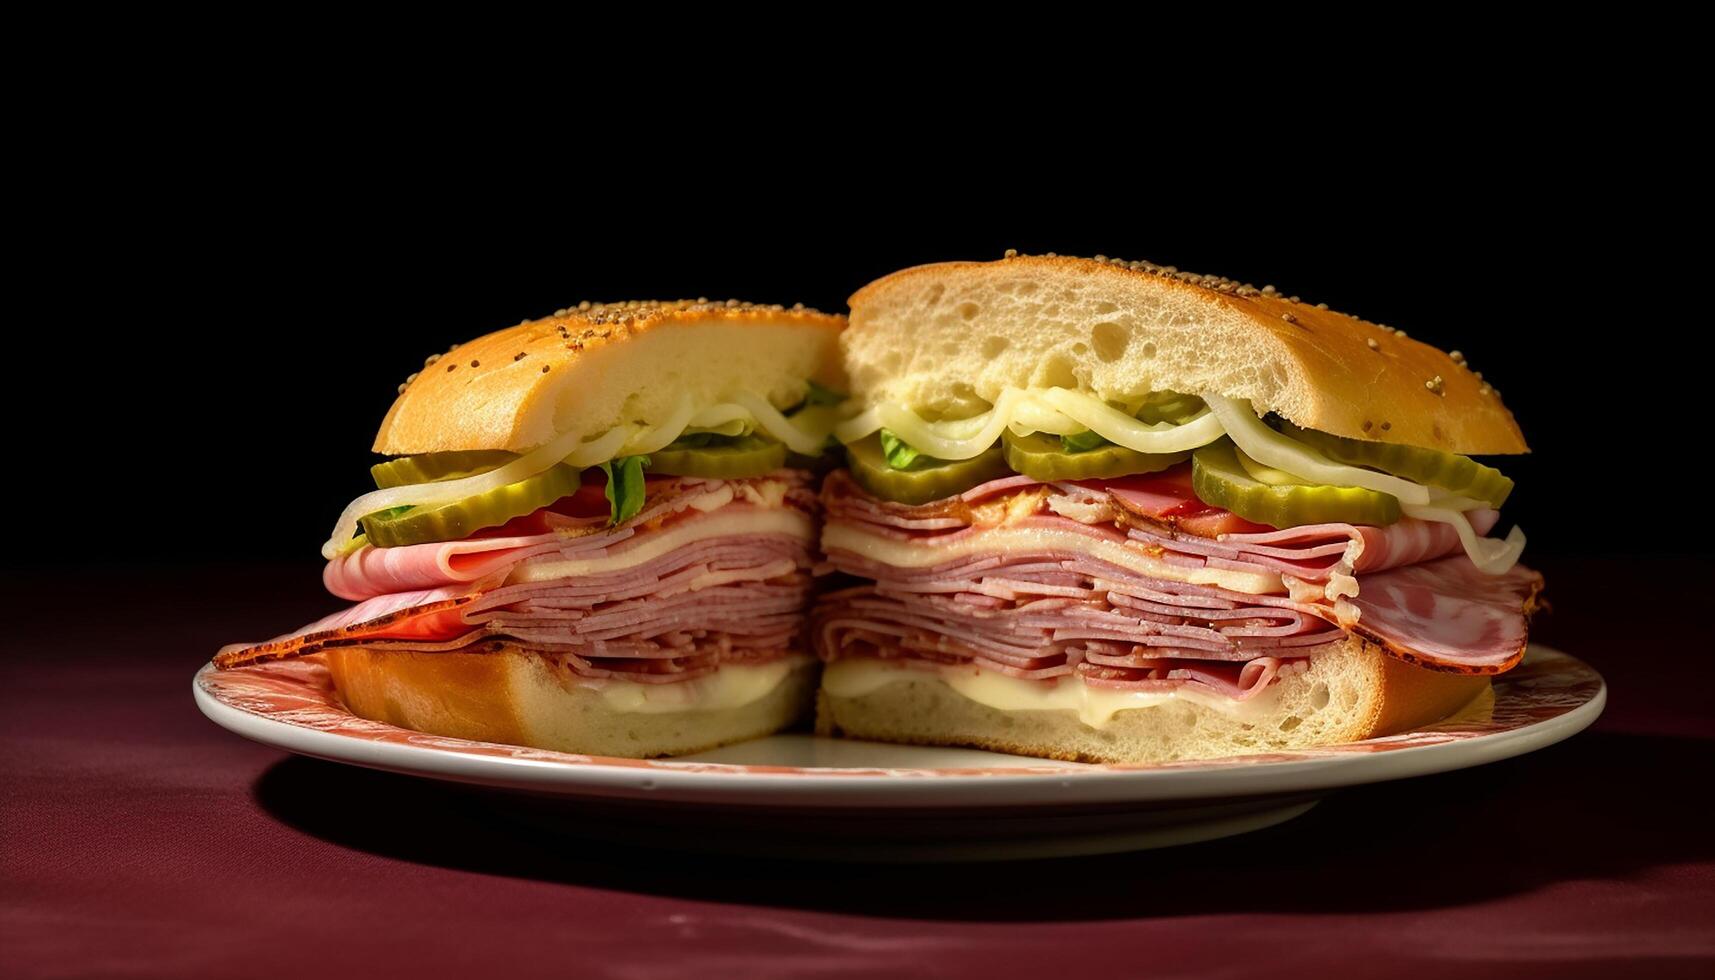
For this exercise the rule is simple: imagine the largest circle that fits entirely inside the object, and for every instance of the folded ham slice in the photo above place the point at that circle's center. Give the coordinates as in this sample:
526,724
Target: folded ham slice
370,571
1446,614
707,574
428,615
1041,605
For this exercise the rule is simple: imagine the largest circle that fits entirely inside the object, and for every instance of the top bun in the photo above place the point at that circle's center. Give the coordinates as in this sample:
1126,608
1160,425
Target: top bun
946,339
593,366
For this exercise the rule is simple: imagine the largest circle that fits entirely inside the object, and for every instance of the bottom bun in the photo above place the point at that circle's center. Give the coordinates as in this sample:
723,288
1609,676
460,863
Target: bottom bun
523,697
1350,691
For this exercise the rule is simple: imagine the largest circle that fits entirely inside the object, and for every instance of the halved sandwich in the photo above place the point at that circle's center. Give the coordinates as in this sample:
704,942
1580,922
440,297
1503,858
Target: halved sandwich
595,534
1108,511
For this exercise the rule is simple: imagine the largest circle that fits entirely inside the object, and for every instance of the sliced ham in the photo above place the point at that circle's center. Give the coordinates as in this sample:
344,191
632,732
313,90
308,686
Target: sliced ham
370,571
1049,637
1046,609
841,494
1448,613
430,614
660,617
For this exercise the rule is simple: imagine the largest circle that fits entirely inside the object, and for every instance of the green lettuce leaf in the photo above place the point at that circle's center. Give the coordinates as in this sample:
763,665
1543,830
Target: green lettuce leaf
899,453
624,487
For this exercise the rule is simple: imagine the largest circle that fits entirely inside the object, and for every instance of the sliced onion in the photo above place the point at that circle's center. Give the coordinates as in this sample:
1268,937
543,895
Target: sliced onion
815,421
964,429
599,451
1056,411
1270,448
1032,416
645,443
716,416
769,420
1496,557
964,439
1452,501
809,425
858,426
1122,430
737,427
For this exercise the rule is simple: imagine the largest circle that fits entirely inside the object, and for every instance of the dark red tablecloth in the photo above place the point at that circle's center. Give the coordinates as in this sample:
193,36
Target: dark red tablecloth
136,838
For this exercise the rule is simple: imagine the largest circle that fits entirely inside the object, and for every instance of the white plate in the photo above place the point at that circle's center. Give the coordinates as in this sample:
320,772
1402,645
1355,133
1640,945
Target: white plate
795,794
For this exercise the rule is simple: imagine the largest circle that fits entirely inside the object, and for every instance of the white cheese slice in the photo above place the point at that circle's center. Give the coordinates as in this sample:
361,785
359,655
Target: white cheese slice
1095,705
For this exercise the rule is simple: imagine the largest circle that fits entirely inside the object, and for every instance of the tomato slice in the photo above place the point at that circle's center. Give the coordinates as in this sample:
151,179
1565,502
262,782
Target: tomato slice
1167,497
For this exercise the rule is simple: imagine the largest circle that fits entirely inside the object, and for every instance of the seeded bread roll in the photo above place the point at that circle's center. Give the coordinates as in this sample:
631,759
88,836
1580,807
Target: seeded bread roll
946,339
594,366
1350,692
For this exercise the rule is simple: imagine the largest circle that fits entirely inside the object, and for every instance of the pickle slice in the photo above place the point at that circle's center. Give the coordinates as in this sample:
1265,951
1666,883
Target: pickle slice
1041,457
434,467
450,522
730,460
1219,479
940,478
1430,467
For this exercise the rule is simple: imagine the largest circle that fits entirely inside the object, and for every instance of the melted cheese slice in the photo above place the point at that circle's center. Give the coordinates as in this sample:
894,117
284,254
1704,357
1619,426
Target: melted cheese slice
1016,540
1095,705
736,521
732,686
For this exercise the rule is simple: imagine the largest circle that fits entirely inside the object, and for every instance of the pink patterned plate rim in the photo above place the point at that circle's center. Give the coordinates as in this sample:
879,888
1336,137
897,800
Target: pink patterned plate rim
292,705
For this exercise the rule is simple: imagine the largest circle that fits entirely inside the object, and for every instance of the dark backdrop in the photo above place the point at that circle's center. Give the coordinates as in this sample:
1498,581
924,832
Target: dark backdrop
252,316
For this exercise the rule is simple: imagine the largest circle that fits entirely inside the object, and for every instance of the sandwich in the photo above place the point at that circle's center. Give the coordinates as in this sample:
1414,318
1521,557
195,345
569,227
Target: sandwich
594,533
1110,511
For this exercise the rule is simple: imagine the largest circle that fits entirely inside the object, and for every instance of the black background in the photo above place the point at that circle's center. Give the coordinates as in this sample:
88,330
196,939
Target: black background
248,309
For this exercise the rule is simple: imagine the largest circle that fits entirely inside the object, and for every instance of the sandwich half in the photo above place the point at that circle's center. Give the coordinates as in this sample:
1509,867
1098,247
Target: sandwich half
594,534
1108,511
